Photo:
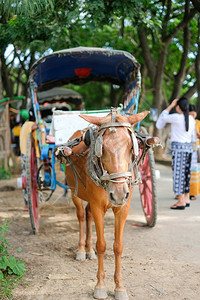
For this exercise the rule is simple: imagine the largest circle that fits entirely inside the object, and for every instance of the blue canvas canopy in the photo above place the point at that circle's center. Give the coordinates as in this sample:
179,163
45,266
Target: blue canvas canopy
82,64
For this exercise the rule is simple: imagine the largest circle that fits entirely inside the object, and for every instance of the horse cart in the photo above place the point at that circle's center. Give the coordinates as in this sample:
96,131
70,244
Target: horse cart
79,66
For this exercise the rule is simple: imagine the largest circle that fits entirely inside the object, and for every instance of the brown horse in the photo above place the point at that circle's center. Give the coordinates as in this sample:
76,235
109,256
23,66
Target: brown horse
100,171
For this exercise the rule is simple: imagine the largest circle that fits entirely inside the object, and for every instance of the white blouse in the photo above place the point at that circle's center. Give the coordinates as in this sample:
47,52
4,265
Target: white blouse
177,121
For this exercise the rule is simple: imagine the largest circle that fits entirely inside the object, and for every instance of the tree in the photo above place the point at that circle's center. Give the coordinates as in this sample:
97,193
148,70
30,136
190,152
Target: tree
12,29
165,30
197,69
1,84
161,37
156,62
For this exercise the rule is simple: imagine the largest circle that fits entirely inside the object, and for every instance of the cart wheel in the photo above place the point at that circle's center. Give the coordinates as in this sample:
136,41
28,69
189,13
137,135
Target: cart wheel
148,186
32,191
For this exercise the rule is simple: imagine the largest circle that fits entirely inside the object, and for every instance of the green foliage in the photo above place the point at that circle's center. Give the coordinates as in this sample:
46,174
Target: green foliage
11,270
35,27
4,243
12,265
9,7
5,174
96,95
100,12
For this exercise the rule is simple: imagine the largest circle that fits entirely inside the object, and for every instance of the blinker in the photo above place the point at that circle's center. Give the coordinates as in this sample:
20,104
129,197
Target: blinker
86,138
98,146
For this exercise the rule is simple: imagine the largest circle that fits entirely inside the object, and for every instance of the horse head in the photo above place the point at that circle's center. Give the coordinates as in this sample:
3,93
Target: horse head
113,153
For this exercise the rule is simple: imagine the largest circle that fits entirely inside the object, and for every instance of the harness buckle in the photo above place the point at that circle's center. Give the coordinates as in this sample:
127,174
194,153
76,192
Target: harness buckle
136,181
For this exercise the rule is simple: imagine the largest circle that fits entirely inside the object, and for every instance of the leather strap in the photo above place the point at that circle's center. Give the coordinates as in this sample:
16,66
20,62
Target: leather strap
115,124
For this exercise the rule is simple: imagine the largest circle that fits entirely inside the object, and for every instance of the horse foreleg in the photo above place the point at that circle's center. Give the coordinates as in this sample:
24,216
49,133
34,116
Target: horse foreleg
100,289
89,247
81,254
120,219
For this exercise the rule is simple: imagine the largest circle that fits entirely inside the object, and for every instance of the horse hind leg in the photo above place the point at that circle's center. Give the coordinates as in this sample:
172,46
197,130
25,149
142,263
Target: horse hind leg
90,253
81,254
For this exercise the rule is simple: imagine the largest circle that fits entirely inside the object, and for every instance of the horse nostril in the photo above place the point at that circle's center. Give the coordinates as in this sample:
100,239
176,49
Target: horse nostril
127,196
111,196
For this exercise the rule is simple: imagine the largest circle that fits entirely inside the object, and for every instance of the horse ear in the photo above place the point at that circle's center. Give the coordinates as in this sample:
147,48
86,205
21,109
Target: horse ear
99,120
92,119
138,117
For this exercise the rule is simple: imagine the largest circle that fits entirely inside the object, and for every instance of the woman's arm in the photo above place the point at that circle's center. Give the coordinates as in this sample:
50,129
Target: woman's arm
164,117
172,105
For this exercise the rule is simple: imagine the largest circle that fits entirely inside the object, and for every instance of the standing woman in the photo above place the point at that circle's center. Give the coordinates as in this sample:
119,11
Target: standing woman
182,134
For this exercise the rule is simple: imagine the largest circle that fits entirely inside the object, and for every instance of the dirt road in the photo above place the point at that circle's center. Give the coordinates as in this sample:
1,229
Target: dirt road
162,262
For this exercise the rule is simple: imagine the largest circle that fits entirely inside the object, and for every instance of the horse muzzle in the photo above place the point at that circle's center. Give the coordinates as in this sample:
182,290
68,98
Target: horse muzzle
118,193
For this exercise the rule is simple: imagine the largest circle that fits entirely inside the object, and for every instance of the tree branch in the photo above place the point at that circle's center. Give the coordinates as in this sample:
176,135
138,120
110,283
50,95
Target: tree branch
192,90
179,78
196,4
148,57
180,26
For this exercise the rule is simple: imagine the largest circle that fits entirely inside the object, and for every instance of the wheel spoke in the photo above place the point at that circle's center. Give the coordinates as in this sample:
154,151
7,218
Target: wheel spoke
147,187
32,190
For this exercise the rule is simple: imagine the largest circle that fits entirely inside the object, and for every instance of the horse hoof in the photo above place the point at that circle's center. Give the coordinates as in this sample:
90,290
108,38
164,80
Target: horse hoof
91,255
100,293
121,295
80,256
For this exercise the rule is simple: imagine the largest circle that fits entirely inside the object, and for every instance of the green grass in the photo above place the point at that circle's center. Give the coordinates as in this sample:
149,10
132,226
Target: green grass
11,269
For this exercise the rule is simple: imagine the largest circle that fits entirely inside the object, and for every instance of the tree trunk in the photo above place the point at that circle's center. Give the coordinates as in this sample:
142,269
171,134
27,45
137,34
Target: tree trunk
197,71
158,95
180,77
5,78
148,57
1,84
143,90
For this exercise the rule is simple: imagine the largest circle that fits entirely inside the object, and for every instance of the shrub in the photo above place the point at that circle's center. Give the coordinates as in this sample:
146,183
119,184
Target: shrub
5,174
11,270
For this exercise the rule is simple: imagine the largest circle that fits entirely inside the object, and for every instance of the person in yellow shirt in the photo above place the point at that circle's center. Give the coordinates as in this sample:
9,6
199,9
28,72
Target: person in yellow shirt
195,166
16,133
26,128
198,131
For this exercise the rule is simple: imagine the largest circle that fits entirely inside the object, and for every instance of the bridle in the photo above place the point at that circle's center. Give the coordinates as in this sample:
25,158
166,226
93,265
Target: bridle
94,164
93,138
